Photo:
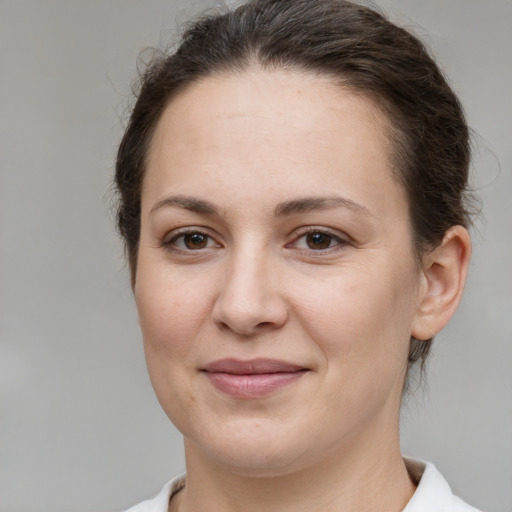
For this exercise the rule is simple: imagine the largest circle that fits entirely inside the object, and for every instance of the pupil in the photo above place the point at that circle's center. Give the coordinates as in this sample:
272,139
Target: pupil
195,241
318,240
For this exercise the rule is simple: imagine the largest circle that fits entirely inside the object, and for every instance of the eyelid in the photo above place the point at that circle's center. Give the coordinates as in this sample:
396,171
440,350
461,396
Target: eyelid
172,236
342,238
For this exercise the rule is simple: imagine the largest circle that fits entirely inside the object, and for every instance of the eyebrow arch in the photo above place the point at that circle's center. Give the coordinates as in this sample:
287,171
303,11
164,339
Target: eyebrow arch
309,204
303,205
190,203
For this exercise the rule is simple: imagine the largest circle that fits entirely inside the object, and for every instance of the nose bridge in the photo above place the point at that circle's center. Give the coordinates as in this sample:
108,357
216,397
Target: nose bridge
250,297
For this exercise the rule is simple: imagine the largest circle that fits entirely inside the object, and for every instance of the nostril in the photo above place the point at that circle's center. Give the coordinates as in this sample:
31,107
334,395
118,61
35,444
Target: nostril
264,324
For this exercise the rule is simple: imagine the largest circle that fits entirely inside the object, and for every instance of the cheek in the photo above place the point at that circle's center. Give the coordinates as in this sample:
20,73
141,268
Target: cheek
362,316
171,316
172,312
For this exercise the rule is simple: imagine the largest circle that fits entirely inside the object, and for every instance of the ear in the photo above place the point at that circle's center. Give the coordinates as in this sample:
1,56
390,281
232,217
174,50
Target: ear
444,271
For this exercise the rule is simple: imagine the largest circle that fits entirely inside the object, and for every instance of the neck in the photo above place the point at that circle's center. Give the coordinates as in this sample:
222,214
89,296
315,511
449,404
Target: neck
343,480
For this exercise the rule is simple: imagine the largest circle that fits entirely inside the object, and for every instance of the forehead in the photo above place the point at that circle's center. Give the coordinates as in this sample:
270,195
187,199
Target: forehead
286,128
283,101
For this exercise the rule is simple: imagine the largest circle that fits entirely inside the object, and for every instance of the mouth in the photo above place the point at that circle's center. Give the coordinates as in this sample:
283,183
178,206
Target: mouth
254,378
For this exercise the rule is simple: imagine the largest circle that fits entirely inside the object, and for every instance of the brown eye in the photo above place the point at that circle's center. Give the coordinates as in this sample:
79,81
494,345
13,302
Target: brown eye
318,241
194,241
191,241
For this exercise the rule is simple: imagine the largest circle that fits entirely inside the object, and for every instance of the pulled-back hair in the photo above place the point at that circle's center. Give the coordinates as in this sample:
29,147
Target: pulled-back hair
355,46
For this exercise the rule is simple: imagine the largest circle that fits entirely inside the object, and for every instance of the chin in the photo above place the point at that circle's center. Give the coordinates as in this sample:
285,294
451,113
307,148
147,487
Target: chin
258,462
250,449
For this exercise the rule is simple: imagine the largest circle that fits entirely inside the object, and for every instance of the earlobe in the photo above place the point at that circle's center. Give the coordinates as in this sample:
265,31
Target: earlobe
445,270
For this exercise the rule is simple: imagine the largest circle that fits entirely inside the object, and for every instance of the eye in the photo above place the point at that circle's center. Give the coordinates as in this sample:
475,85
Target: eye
316,240
319,240
191,241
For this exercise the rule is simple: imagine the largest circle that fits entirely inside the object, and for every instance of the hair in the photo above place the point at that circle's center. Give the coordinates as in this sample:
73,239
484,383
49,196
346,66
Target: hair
357,47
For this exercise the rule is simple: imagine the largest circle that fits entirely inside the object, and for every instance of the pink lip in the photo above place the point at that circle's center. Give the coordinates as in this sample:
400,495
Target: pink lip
252,379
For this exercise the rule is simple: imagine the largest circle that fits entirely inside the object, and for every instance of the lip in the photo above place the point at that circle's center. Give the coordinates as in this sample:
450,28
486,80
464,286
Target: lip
254,378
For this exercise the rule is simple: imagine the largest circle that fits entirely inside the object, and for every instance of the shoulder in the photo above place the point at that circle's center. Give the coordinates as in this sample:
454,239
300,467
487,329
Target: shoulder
433,492
160,503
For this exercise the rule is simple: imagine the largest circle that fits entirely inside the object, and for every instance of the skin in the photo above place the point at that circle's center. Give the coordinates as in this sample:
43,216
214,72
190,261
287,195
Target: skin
236,160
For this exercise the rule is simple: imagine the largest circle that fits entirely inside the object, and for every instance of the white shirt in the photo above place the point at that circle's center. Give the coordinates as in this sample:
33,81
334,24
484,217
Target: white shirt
433,493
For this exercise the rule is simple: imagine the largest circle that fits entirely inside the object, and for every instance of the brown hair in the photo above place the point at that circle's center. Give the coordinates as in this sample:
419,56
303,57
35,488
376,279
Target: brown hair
360,49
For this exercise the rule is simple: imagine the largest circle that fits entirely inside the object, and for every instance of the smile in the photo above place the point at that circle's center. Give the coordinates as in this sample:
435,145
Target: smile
252,379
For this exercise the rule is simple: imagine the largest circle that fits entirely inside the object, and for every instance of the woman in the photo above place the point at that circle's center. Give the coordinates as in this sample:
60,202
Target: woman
293,198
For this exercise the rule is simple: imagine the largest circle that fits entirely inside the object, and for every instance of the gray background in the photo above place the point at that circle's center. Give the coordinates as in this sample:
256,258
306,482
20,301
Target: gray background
80,429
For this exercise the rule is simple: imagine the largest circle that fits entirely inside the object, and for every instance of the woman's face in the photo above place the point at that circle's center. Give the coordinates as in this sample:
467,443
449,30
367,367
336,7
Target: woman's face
276,286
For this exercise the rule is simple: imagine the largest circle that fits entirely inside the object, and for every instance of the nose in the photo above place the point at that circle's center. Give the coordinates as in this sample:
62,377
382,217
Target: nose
251,298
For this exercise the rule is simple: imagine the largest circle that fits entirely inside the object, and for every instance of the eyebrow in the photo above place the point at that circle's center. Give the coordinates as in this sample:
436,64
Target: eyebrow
309,204
284,209
190,203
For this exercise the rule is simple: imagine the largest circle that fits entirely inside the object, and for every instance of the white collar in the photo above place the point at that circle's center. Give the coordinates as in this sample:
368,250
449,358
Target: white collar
433,493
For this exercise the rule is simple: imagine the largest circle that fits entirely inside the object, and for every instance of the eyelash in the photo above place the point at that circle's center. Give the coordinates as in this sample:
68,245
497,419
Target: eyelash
339,242
334,242
171,243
